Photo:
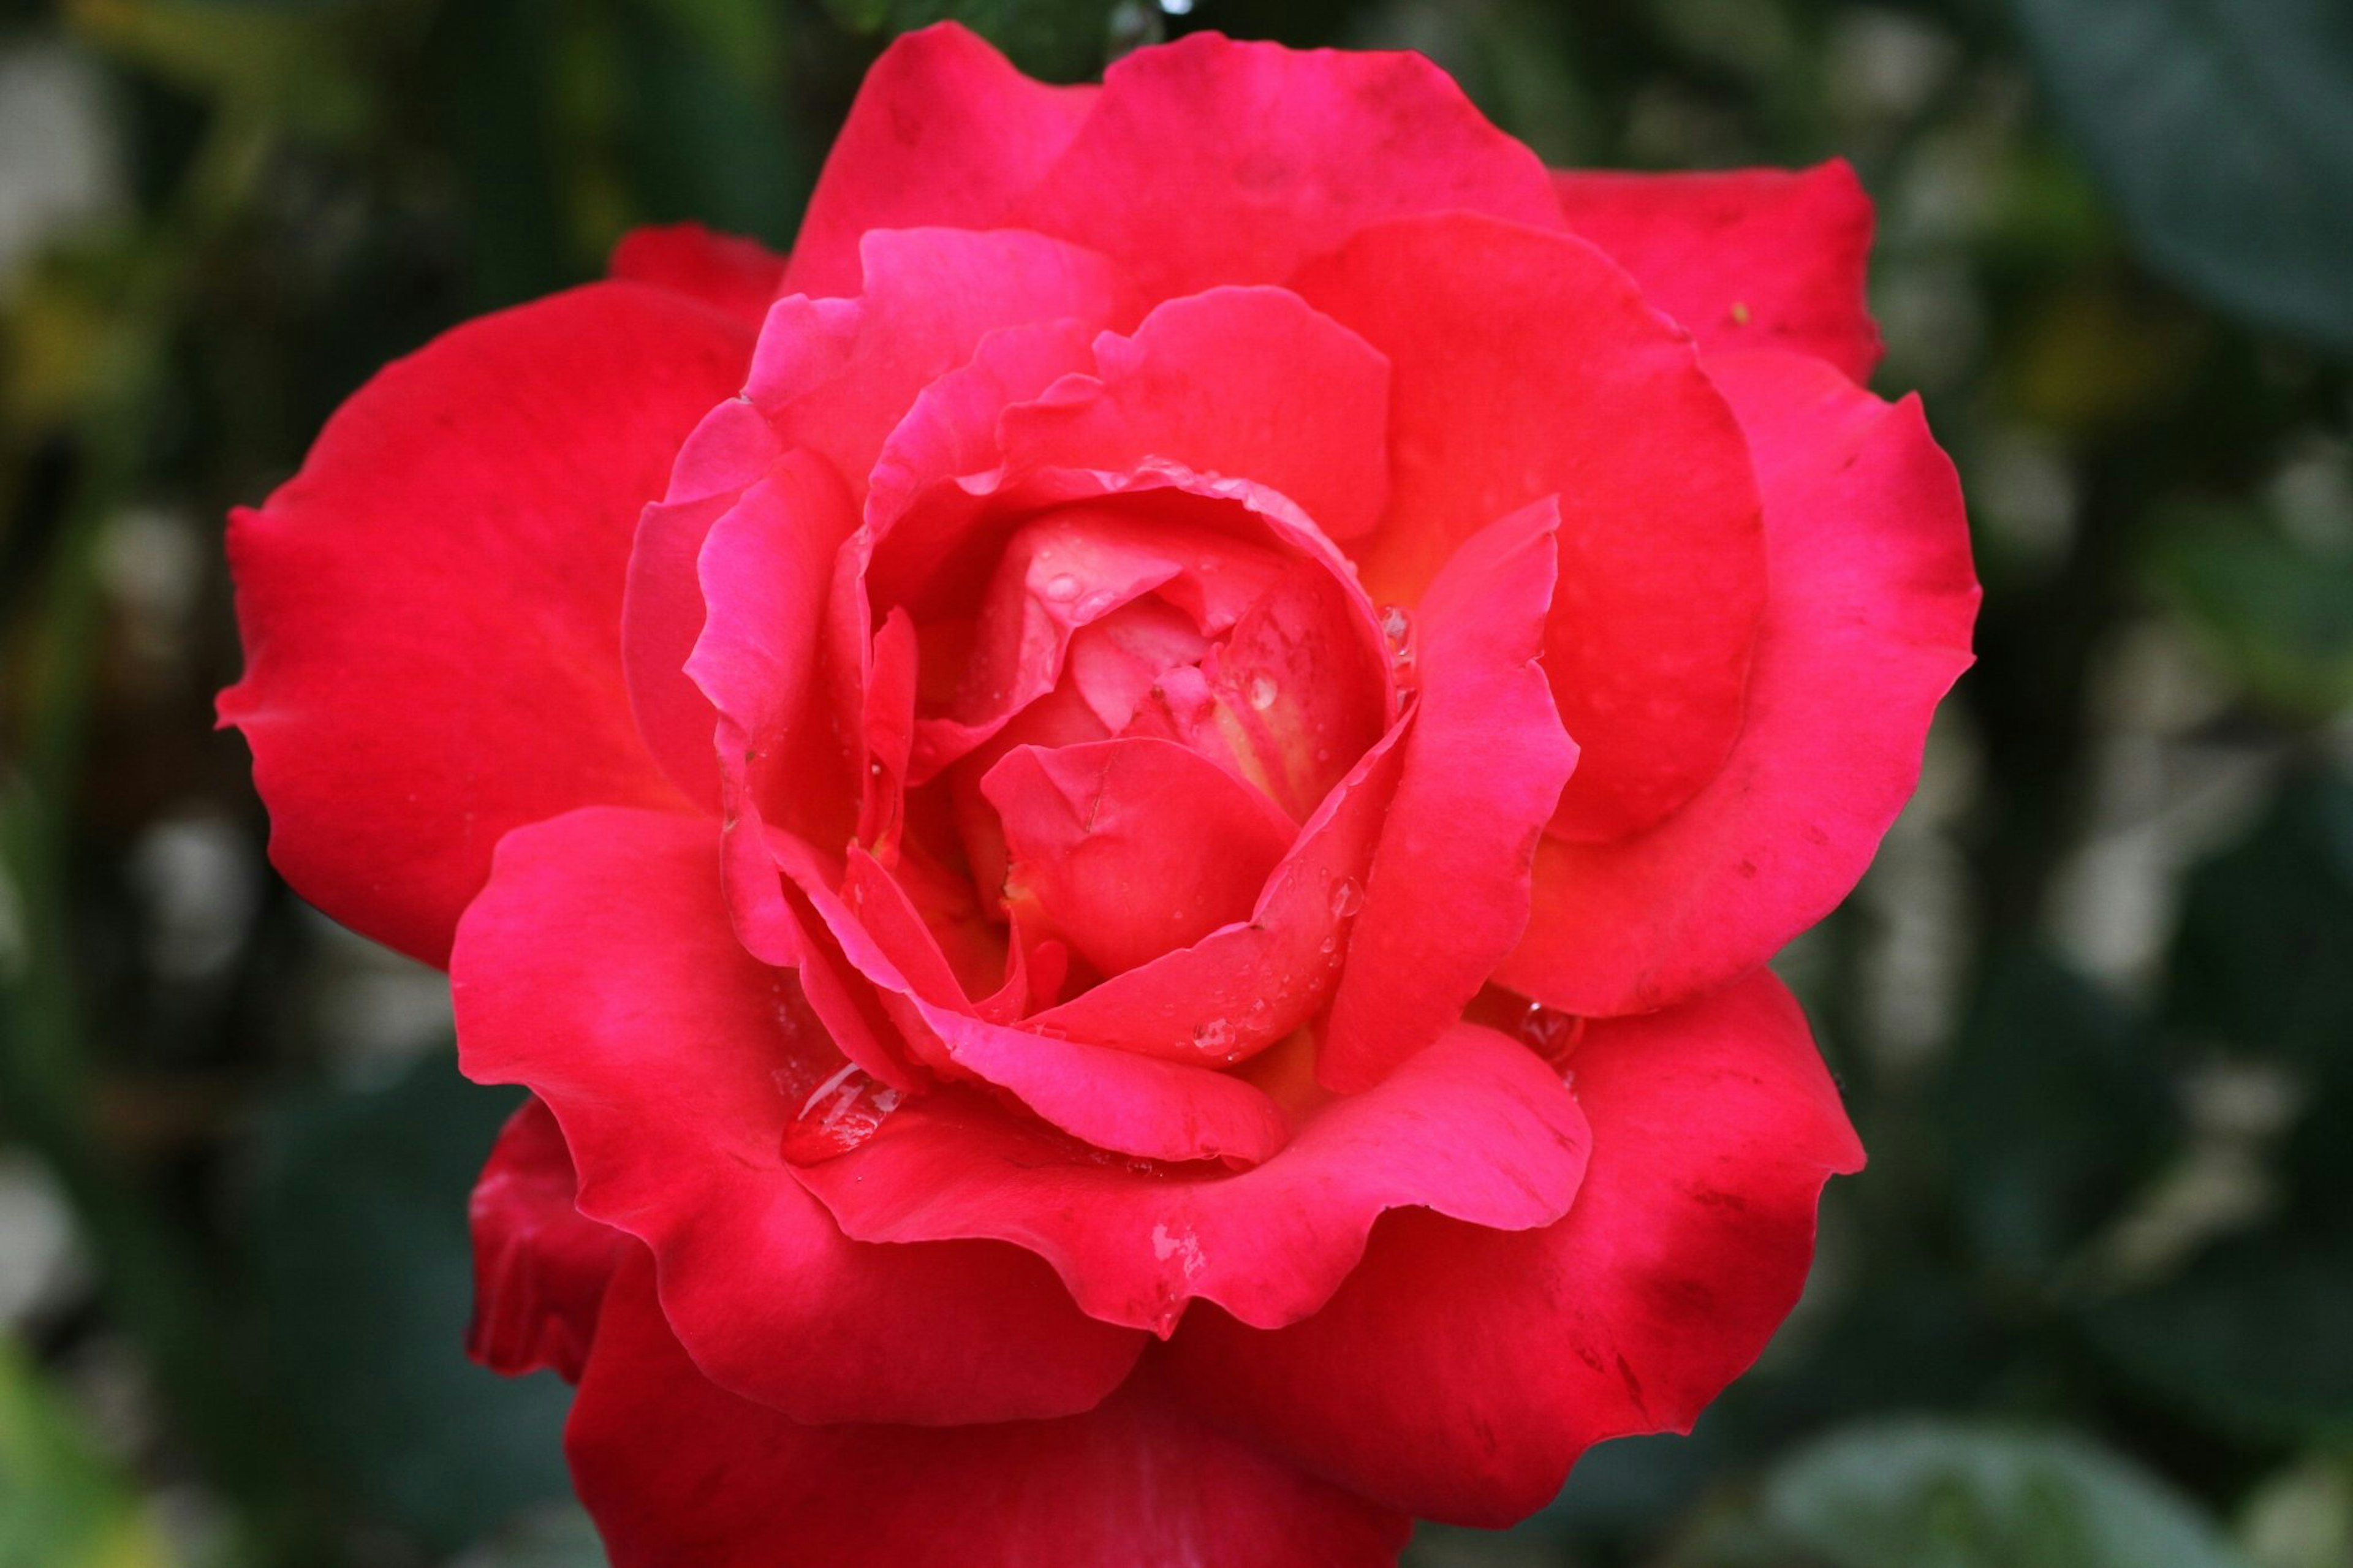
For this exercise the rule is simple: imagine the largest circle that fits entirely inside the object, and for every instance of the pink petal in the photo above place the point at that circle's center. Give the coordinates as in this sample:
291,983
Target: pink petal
1113,1100
1248,382
767,572
1475,1126
945,133
432,607
1872,600
1746,259
598,968
539,1265
1211,161
1129,849
838,376
662,610
738,278
1460,1372
1448,896
677,1471
1245,986
1526,365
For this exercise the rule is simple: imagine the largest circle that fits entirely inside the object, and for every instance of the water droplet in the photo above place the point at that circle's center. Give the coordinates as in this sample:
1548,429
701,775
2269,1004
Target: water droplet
1061,588
1329,944
843,1113
1549,1032
1397,626
1262,692
1347,898
1215,1034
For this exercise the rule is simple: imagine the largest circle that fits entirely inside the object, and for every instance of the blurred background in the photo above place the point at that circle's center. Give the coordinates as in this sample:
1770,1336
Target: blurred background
2093,1009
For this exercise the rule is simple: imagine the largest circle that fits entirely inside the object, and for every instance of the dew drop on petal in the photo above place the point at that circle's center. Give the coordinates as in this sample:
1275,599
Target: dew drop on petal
1061,588
843,1113
1397,626
1347,898
1549,1032
1215,1034
1262,692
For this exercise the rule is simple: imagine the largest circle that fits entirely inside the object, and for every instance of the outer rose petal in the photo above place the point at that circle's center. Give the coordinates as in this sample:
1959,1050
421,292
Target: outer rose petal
1525,365
1460,1372
598,967
539,1265
432,607
1475,1126
1211,161
736,277
678,1471
945,133
1867,625
1753,258
1447,896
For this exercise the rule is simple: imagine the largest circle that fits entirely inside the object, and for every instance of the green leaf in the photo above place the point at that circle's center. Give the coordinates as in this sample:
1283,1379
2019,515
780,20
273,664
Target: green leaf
491,75
2277,616
62,1504
1060,40
2223,130
704,132
2265,942
546,1538
361,1258
2251,1337
1948,1494
2055,1105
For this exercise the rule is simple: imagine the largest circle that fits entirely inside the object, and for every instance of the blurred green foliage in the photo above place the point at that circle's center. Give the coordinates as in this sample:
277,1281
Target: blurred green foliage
2093,1010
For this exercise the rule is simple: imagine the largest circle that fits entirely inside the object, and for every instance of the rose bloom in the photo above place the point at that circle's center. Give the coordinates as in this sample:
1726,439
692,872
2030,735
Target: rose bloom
1125,818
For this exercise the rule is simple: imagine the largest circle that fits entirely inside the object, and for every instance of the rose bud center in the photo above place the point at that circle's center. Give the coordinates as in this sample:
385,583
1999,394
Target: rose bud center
1127,729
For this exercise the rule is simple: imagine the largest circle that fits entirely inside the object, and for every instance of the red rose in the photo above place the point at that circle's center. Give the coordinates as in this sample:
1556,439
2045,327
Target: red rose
1060,814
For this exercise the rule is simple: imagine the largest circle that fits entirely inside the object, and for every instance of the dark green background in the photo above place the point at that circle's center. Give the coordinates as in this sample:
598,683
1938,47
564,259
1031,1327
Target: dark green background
2091,1305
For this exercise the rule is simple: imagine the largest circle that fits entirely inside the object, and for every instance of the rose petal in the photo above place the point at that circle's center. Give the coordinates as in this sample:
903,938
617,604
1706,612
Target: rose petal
675,1470
1526,365
736,277
838,376
1129,849
1873,599
1447,895
598,968
1475,1126
1214,162
1113,1100
1245,986
662,610
766,571
539,1265
1460,1372
1248,382
432,607
950,430
1746,259
944,133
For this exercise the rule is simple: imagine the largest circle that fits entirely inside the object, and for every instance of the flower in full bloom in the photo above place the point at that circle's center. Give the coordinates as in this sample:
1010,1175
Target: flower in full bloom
1126,817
